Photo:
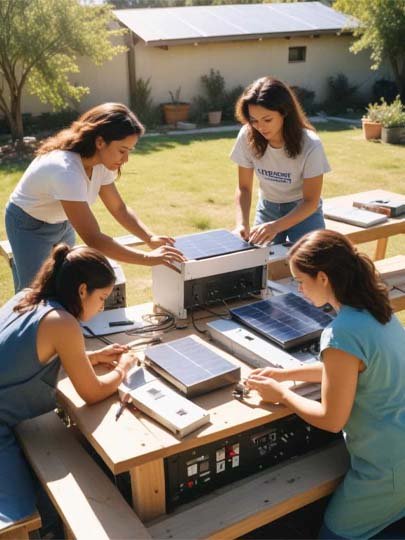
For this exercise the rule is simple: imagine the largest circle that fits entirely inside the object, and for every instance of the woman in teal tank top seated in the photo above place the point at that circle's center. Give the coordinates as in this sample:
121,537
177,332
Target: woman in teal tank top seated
39,331
362,374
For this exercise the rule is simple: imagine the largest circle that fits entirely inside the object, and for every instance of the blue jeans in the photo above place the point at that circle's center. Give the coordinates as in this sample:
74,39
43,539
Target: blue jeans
270,211
31,242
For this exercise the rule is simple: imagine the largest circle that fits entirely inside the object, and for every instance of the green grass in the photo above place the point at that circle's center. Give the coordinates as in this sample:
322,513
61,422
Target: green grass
186,184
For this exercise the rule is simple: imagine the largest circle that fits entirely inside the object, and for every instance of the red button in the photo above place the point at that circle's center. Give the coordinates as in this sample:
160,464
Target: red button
190,484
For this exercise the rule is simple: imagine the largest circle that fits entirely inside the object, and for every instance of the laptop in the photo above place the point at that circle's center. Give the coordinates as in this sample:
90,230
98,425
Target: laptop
354,216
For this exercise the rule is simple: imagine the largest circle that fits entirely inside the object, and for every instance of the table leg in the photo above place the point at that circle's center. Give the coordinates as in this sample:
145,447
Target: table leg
380,249
148,489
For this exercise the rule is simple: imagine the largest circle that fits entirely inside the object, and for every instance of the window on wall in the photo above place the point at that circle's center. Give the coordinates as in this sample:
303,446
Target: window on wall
297,54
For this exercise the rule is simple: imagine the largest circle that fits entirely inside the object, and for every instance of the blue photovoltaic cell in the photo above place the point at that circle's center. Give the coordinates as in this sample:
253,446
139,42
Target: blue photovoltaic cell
159,26
189,361
210,244
286,319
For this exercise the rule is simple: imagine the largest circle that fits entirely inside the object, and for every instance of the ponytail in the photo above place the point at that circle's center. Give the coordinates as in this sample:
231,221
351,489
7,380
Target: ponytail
61,275
352,275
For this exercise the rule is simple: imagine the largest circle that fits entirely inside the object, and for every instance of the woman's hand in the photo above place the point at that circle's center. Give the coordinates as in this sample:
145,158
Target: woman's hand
127,360
278,374
264,233
108,354
157,241
268,389
166,255
243,231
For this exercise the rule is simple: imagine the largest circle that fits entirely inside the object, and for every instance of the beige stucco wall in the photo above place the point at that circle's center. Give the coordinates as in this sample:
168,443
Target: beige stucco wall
240,62
108,82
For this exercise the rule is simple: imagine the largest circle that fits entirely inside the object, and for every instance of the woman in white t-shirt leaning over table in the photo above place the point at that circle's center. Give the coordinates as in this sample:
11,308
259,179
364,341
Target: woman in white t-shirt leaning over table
53,198
279,144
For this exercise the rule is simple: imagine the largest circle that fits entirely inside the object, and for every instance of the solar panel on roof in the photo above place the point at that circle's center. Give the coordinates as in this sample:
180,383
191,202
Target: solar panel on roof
210,244
192,366
287,319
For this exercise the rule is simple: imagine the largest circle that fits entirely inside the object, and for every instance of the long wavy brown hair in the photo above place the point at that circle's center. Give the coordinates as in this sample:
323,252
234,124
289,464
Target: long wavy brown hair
275,95
111,121
352,275
61,275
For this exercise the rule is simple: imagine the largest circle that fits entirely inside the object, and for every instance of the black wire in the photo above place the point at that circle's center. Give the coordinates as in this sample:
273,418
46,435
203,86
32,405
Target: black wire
166,322
194,325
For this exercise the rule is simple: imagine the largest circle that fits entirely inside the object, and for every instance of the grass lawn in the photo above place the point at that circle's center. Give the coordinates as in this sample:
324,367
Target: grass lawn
186,184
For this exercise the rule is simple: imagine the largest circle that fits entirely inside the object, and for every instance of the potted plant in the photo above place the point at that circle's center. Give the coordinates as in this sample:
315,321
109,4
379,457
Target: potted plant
393,122
371,123
214,89
176,110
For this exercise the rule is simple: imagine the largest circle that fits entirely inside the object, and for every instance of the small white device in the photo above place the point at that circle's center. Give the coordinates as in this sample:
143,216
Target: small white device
156,399
256,351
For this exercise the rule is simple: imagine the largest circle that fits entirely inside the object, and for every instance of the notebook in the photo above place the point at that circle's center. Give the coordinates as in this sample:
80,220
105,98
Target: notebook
354,216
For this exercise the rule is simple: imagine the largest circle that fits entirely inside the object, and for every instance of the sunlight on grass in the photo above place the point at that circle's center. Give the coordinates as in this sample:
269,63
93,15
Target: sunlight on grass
186,184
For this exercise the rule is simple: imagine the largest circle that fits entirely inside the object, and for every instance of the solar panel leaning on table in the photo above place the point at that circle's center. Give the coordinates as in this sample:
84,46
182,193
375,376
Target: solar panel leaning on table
361,372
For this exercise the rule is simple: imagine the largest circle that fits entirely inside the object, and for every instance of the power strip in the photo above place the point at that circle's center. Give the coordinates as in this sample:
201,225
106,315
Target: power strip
156,399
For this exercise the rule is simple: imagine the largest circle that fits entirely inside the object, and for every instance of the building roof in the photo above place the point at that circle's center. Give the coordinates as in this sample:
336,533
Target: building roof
197,24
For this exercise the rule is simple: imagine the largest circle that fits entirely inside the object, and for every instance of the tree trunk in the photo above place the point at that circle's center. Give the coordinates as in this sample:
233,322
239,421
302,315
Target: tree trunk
399,76
15,118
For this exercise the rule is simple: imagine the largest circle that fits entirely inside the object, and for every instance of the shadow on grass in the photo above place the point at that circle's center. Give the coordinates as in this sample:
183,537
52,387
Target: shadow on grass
14,166
164,142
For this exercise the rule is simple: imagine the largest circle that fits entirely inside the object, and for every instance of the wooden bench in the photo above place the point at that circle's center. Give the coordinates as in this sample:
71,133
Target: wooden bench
239,508
20,529
126,240
88,502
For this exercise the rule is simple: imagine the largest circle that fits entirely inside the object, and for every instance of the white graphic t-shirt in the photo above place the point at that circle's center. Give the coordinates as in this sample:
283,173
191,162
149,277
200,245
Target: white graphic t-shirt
54,177
281,177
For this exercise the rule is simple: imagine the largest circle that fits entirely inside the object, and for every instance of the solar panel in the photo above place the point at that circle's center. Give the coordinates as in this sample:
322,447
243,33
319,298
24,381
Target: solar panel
192,366
210,244
287,319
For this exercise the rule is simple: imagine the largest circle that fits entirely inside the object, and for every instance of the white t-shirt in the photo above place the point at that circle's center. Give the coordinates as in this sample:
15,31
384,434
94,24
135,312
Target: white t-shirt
54,177
281,177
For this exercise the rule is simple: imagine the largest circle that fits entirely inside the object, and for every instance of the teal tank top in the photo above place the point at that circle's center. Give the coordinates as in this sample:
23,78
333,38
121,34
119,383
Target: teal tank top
372,495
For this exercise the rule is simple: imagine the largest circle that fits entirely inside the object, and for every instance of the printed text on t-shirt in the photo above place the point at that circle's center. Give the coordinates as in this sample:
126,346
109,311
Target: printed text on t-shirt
275,176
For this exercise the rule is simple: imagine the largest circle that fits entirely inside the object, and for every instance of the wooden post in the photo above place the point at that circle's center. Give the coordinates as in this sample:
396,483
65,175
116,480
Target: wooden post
148,490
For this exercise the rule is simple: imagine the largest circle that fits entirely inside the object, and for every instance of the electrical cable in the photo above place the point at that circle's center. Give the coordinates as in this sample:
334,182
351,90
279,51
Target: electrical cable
157,322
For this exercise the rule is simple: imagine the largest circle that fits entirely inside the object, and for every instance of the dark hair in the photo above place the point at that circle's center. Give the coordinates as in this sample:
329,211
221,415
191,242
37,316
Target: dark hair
273,94
354,280
111,121
61,275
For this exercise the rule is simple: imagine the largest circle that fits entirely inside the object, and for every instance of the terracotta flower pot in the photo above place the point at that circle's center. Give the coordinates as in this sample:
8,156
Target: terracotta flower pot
174,113
371,130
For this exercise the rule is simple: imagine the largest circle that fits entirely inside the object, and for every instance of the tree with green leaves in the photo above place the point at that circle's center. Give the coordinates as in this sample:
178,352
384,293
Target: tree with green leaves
40,41
382,30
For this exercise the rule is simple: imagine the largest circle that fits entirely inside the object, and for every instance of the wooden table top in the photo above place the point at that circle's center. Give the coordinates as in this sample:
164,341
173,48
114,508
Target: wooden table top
360,234
136,439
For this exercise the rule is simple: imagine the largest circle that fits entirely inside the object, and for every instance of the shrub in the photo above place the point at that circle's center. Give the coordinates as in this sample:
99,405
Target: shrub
341,95
142,103
383,88
230,99
393,114
306,98
214,88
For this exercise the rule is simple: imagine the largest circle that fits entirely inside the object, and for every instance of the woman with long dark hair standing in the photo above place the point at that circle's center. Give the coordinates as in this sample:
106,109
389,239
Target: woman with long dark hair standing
362,374
53,198
279,144
39,332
